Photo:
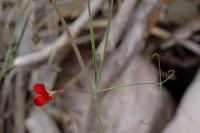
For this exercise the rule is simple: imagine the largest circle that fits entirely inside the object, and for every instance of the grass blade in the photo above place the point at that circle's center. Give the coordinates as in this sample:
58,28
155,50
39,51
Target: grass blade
13,48
106,44
92,43
73,43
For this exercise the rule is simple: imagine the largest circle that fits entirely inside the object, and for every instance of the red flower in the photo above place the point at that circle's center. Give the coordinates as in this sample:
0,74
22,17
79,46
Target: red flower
43,97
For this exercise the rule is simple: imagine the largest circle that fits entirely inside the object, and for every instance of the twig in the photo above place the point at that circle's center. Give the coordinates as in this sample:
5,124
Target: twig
6,103
19,114
182,34
191,46
131,44
7,87
62,42
119,24
162,33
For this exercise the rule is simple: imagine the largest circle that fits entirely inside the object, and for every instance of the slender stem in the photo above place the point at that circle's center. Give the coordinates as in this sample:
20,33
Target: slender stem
160,86
106,43
95,96
74,44
97,110
83,91
121,86
92,43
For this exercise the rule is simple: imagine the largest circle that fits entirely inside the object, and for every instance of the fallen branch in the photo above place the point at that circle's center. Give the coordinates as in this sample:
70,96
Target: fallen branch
192,46
181,36
61,44
19,102
132,42
119,24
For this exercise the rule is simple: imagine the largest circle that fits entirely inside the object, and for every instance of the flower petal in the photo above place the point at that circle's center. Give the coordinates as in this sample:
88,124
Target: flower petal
41,100
40,89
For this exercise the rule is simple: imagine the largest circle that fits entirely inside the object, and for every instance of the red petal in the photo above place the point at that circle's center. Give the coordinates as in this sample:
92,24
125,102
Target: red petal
40,89
41,100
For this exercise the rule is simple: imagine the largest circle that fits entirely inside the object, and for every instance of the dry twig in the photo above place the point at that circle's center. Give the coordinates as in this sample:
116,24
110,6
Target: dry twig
61,43
119,24
182,34
131,44
19,113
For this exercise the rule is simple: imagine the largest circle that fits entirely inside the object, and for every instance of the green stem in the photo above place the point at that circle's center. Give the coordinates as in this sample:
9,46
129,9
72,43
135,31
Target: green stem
97,110
106,43
128,85
92,43
73,43
13,48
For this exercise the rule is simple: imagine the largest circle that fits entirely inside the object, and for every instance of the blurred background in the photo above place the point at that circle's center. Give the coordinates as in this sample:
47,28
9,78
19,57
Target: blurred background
35,49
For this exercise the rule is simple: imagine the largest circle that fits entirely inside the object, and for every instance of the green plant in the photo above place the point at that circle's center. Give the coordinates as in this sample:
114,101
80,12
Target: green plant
13,48
99,67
